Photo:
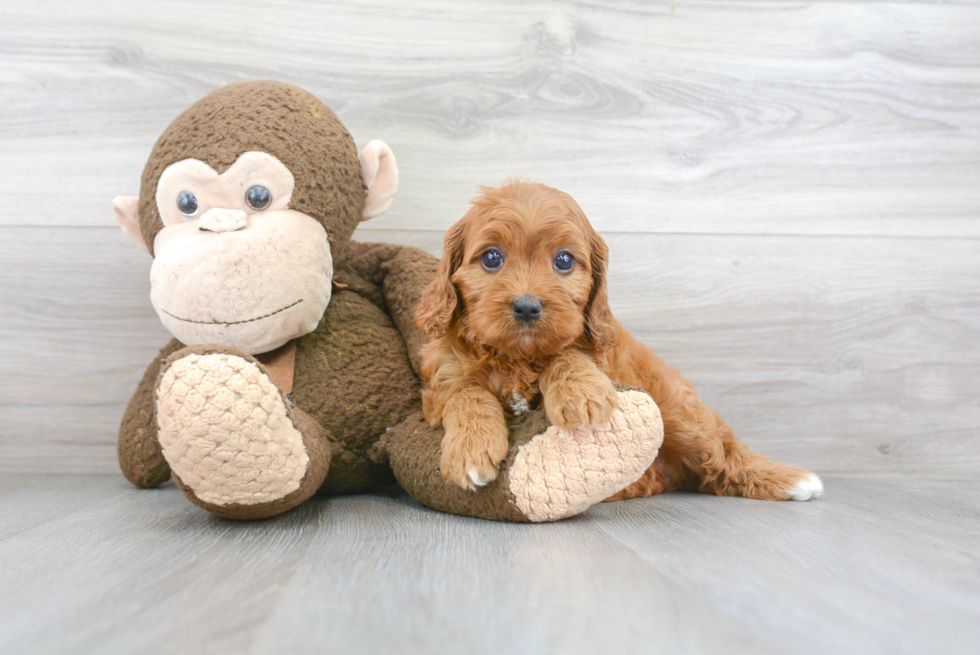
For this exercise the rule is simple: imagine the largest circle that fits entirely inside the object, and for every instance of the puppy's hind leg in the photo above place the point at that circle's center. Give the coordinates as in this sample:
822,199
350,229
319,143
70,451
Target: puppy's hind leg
701,452
651,483
724,465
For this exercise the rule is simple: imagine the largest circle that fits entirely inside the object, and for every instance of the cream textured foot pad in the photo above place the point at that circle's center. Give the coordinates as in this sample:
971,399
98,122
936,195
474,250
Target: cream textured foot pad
561,472
226,433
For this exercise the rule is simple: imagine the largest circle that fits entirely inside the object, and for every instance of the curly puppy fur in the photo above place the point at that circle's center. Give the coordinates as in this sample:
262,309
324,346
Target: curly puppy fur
485,360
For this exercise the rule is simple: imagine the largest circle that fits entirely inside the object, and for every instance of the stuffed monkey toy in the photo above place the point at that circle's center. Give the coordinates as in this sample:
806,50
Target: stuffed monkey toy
293,367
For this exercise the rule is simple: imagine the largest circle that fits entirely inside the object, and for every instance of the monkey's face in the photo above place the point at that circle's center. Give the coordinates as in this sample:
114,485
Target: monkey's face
233,264
242,257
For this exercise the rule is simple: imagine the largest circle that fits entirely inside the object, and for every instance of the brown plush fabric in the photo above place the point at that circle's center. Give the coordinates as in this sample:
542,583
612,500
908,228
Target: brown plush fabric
413,448
353,373
277,118
351,474
399,273
140,457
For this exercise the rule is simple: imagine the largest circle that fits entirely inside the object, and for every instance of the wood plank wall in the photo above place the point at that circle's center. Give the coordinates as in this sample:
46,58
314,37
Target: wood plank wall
791,191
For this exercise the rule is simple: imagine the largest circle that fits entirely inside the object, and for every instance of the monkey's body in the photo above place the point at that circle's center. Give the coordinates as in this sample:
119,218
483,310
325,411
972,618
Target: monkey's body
247,204
355,416
353,378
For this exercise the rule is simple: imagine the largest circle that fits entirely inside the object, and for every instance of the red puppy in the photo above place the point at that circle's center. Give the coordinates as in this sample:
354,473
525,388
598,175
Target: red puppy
518,315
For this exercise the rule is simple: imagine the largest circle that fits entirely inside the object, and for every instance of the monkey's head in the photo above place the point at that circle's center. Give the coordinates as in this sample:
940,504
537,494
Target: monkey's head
246,202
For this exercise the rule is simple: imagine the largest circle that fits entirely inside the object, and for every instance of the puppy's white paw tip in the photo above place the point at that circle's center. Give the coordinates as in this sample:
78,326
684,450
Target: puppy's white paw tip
479,480
807,488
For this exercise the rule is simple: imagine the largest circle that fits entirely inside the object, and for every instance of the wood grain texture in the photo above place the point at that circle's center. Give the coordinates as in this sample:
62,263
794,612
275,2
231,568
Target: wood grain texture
748,117
789,189
881,564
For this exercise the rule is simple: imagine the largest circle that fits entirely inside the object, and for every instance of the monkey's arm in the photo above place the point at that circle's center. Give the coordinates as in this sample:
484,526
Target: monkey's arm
401,272
140,456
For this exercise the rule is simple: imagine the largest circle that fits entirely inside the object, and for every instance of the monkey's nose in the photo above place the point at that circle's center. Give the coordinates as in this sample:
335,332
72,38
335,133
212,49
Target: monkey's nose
527,308
218,219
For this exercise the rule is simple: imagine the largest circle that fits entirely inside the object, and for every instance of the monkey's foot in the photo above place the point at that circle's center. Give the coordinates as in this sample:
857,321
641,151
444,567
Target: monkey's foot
233,445
562,472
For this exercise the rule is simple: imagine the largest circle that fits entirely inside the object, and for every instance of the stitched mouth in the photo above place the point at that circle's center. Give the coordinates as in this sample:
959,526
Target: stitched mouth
247,320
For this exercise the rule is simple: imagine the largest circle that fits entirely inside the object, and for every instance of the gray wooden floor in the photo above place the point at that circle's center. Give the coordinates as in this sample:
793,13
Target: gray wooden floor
881,564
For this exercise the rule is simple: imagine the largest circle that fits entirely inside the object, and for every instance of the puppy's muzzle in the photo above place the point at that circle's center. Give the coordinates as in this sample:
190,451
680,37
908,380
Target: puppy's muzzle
526,308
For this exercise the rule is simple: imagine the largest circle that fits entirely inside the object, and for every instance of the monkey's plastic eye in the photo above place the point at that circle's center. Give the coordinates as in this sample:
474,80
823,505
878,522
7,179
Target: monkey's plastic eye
492,260
564,262
187,203
258,197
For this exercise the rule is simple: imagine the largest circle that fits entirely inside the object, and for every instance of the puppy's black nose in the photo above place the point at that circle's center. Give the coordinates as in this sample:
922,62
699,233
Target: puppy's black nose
527,308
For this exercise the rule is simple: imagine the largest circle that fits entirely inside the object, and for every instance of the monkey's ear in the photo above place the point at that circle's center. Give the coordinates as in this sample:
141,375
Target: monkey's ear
127,213
380,174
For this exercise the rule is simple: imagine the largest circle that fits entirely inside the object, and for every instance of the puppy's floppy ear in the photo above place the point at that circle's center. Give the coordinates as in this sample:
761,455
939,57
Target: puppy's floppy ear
439,298
599,321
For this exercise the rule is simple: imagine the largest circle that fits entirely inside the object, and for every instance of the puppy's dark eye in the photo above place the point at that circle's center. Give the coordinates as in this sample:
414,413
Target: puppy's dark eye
492,260
187,203
258,197
564,262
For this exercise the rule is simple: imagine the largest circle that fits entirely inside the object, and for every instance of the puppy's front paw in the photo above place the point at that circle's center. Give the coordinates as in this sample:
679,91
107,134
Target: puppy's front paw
470,457
582,402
